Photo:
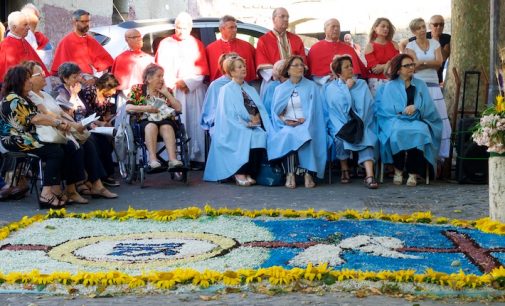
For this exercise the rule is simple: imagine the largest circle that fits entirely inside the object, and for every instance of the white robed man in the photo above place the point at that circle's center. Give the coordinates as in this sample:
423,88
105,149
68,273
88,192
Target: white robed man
183,58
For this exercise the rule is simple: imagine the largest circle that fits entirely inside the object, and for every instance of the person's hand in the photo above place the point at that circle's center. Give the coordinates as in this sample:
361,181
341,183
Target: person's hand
350,83
151,109
64,126
301,120
164,90
181,85
378,69
74,90
409,110
255,120
78,127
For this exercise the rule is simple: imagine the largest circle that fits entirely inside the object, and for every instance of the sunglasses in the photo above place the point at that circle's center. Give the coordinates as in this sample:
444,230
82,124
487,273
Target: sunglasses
411,65
438,24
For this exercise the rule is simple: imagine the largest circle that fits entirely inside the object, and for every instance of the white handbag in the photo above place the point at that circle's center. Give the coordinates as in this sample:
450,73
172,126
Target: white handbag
50,134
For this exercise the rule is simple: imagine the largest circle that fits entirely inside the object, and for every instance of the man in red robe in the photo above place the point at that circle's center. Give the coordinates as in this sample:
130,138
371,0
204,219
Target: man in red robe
275,45
230,43
80,48
14,49
321,54
37,39
183,58
129,66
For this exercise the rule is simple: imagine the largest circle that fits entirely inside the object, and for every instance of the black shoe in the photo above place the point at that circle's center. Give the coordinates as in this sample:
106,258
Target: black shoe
110,182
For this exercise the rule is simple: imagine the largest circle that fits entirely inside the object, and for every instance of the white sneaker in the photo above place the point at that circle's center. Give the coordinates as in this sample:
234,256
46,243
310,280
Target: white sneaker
153,164
398,178
174,164
412,181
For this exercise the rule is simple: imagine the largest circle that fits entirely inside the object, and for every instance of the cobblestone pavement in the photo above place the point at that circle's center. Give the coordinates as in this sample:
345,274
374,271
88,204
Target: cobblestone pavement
441,197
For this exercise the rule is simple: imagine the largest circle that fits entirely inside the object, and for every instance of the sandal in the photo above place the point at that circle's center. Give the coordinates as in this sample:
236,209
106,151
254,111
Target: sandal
62,197
103,193
370,182
83,189
345,178
75,197
47,203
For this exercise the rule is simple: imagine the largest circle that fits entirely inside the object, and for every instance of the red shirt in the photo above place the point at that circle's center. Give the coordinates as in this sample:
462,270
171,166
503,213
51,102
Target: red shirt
243,48
267,50
321,55
129,66
14,51
85,51
381,54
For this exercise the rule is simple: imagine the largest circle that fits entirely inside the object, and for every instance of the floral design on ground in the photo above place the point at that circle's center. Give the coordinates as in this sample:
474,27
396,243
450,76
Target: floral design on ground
236,247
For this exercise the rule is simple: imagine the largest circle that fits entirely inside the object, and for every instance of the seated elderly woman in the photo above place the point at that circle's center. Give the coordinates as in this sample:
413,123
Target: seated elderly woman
410,127
342,96
212,95
98,148
18,120
90,161
299,128
240,137
153,102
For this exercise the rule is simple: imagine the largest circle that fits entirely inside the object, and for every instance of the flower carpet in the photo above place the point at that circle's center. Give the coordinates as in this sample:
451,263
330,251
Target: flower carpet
198,248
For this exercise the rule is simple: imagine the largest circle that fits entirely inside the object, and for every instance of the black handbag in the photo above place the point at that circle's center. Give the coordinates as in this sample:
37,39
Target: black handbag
352,130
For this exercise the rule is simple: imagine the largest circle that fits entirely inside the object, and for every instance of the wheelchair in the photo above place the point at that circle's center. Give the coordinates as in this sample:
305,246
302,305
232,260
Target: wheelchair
134,166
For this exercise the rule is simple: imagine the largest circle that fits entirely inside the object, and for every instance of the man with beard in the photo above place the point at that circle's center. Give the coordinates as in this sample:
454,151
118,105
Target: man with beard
81,48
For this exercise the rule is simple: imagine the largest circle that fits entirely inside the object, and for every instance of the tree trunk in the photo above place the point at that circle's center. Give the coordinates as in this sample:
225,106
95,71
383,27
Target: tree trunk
497,188
470,49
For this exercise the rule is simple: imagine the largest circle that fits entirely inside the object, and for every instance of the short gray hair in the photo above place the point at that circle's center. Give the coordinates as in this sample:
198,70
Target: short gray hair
225,19
14,17
77,14
31,8
67,69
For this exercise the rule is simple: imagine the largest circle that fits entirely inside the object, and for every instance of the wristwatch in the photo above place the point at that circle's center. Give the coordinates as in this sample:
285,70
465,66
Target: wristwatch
57,123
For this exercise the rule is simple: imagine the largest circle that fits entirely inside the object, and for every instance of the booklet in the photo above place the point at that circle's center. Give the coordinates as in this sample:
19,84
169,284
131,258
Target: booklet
105,130
89,119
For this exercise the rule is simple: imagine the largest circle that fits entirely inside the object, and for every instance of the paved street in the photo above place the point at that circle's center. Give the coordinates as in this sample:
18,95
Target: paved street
442,198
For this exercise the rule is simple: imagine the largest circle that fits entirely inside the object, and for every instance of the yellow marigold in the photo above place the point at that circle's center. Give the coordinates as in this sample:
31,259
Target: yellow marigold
40,279
231,278
86,278
136,282
184,275
207,278
165,284
344,274
63,277
115,278
279,276
250,276
311,272
500,104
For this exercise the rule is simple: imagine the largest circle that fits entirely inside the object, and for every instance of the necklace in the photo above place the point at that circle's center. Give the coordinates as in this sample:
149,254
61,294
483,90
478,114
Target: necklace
425,46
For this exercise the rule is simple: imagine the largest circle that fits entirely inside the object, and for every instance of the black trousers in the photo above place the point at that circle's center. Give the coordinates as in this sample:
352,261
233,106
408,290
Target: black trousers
92,162
103,144
61,161
411,160
253,165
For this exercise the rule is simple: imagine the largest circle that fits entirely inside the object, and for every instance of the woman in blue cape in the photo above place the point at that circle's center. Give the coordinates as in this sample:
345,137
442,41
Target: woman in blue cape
342,95
212,95
299,128
410,128
240,137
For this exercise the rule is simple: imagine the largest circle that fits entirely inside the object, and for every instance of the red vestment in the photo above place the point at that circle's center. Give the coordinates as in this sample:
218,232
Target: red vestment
14,51
85,51
181,59
381,54
42,40
321,55
129,66
267,50
243,48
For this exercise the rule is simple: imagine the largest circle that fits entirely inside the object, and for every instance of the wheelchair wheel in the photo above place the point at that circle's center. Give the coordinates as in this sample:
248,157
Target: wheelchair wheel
130,164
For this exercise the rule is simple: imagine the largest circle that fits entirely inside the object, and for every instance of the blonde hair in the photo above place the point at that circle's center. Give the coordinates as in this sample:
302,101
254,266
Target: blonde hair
2,31
372,36
415,23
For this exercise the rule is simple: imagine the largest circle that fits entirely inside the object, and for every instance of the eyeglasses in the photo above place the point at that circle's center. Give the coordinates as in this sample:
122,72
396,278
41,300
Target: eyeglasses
411,65
39,74
437,24
134,37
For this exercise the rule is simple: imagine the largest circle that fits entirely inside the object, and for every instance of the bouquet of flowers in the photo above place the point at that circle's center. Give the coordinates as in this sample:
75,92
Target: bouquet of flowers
490,131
